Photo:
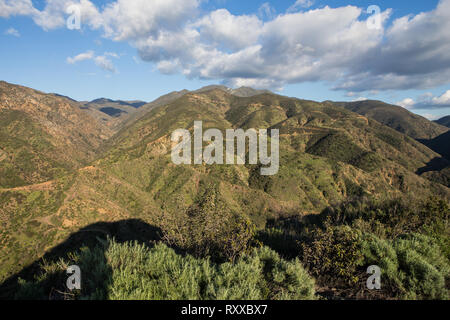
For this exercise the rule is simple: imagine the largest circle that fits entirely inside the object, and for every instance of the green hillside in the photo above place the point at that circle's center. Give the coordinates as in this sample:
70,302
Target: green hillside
397,118
43,136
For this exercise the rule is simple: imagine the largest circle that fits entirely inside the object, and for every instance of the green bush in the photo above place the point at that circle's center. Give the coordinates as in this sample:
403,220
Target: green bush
334,252
209,228
380,252
426,269
134,271
413,266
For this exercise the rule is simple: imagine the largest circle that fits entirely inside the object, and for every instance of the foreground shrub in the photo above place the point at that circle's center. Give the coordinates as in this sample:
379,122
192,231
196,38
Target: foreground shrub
381,252
334,253
413,266
134,271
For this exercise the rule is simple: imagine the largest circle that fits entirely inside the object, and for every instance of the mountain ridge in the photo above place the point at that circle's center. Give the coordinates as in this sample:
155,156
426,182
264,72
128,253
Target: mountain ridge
395,117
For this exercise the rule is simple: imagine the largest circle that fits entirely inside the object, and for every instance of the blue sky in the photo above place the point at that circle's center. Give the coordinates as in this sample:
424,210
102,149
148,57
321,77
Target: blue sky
138,52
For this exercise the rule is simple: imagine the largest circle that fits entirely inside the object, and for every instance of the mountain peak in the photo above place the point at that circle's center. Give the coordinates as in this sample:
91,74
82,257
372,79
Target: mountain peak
243,92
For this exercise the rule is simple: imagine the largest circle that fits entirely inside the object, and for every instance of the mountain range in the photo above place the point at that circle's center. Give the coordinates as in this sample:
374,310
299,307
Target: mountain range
66,164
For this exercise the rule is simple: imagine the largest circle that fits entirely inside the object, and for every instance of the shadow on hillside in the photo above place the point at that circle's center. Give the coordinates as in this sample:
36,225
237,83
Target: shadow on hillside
440,144
92,236
436,164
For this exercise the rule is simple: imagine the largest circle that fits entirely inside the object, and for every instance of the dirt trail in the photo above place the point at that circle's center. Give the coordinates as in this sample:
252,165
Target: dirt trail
33,187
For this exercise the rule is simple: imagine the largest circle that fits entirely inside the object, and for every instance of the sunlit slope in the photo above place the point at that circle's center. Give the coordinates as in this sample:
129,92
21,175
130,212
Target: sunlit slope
327,154
396,117
43,136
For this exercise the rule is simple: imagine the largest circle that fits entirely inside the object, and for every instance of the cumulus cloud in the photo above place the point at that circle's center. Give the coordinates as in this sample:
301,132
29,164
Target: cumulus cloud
245,50
16,7
443,100
415,53
427,101
325,44
407,103
55,14
101,61
221,28
136,19
12,32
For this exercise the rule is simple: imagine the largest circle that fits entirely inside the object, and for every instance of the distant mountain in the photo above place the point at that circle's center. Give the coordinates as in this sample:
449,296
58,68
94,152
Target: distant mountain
104,101
172,96
118,113
395,117
112,113
445,121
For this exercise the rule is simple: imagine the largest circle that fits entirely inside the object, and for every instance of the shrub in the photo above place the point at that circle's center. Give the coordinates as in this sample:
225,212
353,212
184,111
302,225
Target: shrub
425,268
209,228
334,252
380,252
396,217
413,266
134,271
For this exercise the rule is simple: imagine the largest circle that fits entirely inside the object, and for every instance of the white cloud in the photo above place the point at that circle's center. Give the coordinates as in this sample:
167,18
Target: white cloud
112,54
55,14
360,99
427,101
101,61
105,64
16,7
300,4
137,19
430,116
12,32
245,51
415,54
81,57
444,99
221,28
407,103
